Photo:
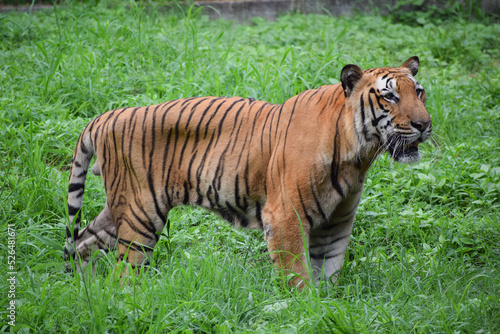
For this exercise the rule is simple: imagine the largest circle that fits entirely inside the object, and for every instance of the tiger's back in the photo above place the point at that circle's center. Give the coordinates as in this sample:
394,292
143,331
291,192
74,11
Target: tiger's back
202,151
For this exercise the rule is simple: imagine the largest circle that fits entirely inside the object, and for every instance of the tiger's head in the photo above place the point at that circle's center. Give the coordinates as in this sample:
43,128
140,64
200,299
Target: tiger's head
389,109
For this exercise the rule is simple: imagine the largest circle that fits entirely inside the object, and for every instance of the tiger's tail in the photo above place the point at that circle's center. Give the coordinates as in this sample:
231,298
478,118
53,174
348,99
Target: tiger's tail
82,156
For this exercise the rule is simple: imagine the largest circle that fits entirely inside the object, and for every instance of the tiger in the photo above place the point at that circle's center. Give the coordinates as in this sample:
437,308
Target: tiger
295,170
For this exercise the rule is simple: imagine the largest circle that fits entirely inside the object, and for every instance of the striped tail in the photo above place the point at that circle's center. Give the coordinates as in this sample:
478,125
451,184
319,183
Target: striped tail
82,156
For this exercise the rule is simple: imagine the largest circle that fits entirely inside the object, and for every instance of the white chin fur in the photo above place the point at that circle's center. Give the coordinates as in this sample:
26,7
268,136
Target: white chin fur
409,159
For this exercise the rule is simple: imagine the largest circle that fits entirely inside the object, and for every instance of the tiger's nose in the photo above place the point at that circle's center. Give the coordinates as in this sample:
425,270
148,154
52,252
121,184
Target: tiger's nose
421,126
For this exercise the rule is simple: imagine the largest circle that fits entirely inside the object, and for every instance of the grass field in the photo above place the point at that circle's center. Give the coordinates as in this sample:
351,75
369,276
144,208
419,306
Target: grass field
425,252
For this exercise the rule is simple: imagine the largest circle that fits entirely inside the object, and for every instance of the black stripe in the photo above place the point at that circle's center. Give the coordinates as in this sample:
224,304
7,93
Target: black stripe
193,109
132,121
273,111
93,233
324,91
219,171
97,132
190,168
246,174
264,129
187,100
103,160
147,224
304,208
316,200
113,133
75,186
287,127
83,173
109,114
165,156
335,225
170,167
221,122
72,210
277,122
150,178
335,168
176,138
112,235
236,140
313,93
165,112
184,148
337,96
186,194
256,116
324,256
211,118
329,243
375,120
237,190
83,148
378,98
68,233
365,129
201,166
143,141
357,163
197,131
130,247
240,216
242,206
133,245
331,100
126,162
258,214
209,192
226,215
151,188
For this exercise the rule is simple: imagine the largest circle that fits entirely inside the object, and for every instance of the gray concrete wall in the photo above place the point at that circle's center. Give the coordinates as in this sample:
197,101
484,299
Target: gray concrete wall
244,11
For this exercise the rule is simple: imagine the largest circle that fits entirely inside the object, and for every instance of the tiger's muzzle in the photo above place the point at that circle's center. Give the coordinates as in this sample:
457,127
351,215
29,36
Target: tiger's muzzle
404,149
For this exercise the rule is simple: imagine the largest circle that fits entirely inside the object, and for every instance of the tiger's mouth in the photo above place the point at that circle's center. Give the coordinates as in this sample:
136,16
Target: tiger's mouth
404,152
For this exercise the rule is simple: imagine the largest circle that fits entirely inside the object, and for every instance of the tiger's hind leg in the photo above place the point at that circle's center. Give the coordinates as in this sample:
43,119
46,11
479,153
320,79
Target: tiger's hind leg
285,236
100,234
138,230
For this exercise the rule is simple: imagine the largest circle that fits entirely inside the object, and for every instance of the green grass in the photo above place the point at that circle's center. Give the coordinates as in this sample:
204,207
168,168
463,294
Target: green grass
425,252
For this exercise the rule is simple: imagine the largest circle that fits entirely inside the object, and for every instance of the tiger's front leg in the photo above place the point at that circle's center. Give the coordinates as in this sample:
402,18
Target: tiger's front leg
327,247
285,237
328,241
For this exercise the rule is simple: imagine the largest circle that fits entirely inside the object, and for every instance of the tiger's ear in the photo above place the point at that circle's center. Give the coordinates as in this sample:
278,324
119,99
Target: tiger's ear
349,76
412,64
